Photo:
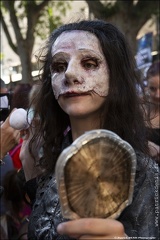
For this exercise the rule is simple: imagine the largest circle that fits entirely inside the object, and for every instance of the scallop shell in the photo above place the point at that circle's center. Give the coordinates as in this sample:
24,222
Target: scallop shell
95,176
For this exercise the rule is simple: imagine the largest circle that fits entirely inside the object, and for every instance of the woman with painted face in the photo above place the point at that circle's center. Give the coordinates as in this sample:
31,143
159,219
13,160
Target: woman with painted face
88,82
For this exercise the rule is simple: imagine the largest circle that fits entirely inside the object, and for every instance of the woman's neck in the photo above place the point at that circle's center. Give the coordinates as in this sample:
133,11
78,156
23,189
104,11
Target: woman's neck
80,126
155,116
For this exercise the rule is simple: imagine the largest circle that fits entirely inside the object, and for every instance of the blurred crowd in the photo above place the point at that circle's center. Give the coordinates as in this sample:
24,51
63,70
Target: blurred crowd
14,203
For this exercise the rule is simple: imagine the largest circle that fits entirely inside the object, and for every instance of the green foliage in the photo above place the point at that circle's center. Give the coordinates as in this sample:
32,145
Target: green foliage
51,18
29,19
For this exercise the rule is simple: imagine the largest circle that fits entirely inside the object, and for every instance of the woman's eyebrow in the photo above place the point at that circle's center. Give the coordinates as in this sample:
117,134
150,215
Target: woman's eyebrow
91,51
59,55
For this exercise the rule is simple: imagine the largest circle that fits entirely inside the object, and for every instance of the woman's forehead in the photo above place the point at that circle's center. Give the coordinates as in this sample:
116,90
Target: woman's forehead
154,80
77,40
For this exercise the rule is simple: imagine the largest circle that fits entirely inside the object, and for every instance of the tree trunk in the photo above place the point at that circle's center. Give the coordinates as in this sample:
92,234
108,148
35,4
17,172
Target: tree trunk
24,45
128,27
26,67
126,15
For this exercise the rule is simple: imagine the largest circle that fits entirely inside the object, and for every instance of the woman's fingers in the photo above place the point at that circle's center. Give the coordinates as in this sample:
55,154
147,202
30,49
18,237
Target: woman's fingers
91,226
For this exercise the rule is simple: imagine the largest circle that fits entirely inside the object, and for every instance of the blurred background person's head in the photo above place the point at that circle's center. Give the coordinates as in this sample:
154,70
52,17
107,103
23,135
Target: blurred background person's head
20,97
153,82
3,88
4,101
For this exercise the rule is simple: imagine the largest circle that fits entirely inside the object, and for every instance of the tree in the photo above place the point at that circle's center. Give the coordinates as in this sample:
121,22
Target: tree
129,15
29,19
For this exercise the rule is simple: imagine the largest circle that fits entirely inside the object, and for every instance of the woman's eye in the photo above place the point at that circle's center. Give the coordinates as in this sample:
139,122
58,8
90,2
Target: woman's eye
89,64
152,89
59,67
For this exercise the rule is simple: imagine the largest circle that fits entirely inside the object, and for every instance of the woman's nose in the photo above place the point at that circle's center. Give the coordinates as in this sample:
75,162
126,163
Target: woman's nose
71,74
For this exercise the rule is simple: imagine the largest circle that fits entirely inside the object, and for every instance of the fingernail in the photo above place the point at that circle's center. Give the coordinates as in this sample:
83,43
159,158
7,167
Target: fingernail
60,228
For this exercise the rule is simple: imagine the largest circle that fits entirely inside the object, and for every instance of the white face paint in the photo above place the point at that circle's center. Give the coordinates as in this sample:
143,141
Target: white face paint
78,65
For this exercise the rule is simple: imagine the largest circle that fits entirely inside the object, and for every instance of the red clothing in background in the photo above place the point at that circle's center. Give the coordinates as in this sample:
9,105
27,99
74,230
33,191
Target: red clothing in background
14,153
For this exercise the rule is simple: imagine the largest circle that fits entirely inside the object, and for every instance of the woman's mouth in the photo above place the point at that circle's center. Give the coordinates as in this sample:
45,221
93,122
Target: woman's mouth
74,94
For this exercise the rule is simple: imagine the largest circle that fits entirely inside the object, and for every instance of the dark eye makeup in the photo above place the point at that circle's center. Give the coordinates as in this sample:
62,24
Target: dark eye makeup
59,66
153,89
90,63
87,62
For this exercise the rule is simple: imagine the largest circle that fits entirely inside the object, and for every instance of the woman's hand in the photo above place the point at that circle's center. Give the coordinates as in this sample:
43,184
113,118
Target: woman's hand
9,137
92,228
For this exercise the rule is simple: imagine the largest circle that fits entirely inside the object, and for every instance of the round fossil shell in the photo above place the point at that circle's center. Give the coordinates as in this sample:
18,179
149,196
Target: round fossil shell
95,176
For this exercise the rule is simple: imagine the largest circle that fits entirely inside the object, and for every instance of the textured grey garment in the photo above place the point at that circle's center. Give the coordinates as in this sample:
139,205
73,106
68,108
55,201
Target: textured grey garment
46,214
140,219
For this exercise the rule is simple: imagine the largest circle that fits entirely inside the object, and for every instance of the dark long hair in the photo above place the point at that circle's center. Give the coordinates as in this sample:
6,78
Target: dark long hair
122,111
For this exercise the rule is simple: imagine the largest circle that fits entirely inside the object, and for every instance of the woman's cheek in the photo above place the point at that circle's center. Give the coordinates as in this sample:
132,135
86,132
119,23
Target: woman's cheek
57,82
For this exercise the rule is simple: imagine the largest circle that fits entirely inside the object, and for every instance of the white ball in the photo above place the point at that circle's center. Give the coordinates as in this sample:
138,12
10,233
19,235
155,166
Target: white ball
18,119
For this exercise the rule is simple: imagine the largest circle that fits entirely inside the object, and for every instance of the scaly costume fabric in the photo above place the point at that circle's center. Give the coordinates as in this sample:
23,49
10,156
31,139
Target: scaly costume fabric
140,219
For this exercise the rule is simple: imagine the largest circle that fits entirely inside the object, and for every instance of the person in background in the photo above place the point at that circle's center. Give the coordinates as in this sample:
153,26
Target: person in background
88,82
3,88
4,101
20,96
153,109
14,223
9,138
20,99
